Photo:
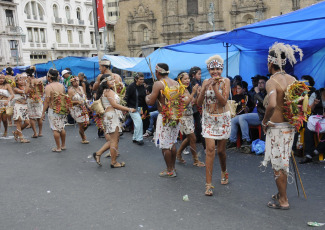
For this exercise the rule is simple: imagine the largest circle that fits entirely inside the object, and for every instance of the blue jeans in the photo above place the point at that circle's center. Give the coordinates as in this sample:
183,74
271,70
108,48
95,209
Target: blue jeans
138,126
153,117
128,122
243,121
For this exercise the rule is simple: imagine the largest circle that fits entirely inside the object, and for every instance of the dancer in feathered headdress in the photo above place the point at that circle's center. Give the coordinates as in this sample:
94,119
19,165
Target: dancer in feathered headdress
286,110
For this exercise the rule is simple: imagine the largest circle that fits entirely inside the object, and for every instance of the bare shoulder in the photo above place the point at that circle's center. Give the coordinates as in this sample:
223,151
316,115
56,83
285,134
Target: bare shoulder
158,85
290,79
99,76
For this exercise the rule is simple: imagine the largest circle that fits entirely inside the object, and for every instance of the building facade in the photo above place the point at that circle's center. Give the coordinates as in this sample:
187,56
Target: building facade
147,23
11,51
56,29
112,14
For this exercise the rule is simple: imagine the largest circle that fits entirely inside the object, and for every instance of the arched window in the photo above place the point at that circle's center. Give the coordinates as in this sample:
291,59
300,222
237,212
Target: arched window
78,13
55,11
67,12
34,11
249,21
145,34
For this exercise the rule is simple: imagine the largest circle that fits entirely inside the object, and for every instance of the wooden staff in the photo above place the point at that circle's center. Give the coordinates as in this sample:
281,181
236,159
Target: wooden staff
149,64
295,165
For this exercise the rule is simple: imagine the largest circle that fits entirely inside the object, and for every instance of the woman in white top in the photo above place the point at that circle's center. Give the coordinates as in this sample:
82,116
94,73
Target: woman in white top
187,122
216,119
79,111
6,95
110,119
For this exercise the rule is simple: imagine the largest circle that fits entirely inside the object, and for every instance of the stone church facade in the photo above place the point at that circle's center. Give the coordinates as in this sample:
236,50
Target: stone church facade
145,23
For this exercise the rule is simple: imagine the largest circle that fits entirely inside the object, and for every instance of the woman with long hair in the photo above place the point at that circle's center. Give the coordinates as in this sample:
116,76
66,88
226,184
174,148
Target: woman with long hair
20,116
110,119
187,122
196,78
35,102
10,79
6,95
57,105
216,119
79,111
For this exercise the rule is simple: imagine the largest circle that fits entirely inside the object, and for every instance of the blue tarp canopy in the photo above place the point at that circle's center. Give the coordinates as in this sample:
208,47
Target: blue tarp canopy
89,66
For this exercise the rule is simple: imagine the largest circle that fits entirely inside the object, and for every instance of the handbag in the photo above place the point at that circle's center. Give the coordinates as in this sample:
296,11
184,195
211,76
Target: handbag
98,107
316,123
232,107
9,110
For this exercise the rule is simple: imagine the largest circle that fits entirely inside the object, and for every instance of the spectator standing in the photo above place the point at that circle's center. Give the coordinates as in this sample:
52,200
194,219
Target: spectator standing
135,98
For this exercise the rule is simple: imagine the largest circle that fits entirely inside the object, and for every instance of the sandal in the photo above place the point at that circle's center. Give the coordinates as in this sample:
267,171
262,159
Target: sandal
199,164
224,178
180,159
85,142
276,205
208,189
56,150
97,158
63,148
35,136
40,135
118,165
23,140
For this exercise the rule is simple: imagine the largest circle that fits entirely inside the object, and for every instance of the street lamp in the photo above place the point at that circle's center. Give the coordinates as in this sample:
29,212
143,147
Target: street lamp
21,34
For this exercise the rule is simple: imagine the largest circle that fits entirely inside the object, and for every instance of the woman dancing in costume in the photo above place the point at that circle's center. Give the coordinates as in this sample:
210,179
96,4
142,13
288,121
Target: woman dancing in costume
6,95
57,113
10,79
110,119
35,102
79,111
21,109
187,122
216,119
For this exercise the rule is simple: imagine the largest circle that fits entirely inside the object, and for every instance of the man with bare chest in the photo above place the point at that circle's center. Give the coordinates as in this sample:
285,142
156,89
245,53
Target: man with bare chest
279,132
166,129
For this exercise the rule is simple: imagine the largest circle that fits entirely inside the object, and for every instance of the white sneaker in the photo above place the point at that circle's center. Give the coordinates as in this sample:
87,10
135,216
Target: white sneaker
186,152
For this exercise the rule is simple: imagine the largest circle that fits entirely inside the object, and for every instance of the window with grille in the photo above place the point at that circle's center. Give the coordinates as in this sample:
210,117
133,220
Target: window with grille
58,36
69,32
192,7
81,37
10,18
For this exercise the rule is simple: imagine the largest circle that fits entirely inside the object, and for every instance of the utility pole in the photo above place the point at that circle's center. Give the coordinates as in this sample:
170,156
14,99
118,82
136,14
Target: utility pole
96,28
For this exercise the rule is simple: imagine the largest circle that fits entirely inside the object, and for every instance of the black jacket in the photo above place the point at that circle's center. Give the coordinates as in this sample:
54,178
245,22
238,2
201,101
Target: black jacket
243,100
318,110
259,98
131,98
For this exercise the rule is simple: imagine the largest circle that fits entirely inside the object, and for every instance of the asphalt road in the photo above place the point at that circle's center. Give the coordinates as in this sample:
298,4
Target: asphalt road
41,189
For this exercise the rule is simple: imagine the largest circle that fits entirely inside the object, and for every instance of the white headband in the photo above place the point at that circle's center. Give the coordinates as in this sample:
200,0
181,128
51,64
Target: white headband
274,61
214,64
161,70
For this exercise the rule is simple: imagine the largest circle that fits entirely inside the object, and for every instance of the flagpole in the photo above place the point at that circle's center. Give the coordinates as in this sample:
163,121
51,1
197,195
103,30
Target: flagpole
96,28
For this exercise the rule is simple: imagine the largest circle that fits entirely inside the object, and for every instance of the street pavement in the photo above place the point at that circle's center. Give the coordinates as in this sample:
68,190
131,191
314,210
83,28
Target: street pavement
41,189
